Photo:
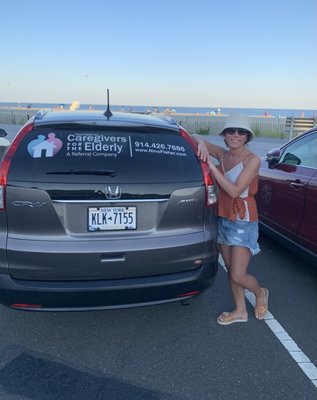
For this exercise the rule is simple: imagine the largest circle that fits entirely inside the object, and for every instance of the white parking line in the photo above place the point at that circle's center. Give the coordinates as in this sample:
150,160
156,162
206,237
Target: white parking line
309,369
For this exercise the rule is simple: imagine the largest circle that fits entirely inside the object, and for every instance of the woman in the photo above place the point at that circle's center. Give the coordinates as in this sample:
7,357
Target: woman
236,176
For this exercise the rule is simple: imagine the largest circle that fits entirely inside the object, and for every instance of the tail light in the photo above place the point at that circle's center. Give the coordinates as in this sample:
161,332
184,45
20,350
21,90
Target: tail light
5,164
211,195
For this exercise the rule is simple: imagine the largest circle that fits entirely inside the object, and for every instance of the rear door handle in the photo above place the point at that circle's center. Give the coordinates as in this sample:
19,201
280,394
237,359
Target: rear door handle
297,184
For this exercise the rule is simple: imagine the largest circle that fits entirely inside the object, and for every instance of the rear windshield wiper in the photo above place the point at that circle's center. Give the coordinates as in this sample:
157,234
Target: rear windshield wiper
84,172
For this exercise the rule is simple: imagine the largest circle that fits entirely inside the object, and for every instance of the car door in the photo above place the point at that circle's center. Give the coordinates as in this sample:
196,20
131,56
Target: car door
307,231
283,189
282,192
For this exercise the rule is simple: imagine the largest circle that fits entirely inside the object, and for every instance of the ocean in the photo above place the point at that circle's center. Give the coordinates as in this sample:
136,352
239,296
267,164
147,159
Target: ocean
175,109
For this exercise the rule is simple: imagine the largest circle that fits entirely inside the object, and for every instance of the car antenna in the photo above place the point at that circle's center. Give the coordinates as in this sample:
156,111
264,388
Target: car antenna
108,113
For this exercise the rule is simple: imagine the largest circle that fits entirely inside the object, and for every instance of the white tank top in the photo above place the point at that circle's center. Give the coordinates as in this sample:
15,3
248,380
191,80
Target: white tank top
232,175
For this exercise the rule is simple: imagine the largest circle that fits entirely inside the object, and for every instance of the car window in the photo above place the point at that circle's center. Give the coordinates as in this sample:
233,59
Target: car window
82,155
303,152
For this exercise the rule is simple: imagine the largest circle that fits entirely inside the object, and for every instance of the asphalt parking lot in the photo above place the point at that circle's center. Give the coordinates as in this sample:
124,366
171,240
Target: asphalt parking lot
172,351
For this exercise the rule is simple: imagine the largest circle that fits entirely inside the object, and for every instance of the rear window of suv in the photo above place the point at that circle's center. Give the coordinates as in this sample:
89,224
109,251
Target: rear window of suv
84,155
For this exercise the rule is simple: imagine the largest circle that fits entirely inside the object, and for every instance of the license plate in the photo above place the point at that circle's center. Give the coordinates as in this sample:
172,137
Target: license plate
111,218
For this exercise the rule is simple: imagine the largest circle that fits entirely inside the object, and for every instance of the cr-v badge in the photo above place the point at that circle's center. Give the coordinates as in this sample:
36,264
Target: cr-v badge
31,204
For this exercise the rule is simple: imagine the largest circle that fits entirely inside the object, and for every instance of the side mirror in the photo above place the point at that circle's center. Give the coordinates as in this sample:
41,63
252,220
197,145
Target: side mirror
273,156
3,132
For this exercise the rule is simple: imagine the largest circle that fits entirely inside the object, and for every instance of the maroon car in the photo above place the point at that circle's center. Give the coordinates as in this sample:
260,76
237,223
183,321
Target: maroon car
287,195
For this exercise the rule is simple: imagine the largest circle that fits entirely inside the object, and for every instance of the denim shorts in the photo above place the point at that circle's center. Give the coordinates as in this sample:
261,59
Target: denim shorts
239,233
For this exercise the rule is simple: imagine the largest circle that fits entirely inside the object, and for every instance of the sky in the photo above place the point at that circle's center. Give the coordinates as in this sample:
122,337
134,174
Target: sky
202,53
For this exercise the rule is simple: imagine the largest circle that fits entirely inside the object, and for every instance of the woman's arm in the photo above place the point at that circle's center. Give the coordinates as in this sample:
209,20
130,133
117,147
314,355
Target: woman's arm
205,149
244,180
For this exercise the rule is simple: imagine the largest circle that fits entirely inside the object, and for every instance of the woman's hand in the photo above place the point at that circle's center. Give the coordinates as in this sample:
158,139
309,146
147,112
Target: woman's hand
206,149
202,151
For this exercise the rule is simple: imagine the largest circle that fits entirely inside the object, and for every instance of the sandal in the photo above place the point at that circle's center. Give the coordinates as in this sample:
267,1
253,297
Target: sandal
226,319
261,310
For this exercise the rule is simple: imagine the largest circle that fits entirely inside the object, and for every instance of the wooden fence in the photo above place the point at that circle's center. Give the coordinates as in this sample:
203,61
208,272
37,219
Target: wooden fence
212,124
282,127
16,116
295,126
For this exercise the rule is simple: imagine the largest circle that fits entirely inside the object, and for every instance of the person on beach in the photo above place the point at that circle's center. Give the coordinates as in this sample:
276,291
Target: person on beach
236,177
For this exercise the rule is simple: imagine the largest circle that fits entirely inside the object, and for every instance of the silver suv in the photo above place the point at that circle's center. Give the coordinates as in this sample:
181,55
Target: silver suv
100,211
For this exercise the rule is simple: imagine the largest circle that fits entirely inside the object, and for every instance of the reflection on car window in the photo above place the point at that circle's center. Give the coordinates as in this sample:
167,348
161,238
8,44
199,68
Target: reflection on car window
290,158
303,152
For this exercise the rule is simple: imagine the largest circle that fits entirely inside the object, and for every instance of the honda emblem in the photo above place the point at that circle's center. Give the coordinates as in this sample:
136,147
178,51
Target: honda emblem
113,192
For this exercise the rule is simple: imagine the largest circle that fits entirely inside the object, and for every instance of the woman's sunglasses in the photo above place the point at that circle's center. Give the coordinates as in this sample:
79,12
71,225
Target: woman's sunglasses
241,131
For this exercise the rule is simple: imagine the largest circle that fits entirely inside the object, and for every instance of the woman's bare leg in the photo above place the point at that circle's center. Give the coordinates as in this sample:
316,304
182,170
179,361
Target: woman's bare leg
236,289
237,260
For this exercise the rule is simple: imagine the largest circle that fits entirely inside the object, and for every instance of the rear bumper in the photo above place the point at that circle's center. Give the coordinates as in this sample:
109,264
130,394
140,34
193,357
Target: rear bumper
106,294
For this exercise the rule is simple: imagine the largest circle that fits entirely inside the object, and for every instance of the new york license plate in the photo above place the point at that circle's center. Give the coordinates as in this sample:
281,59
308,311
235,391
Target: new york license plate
111,218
